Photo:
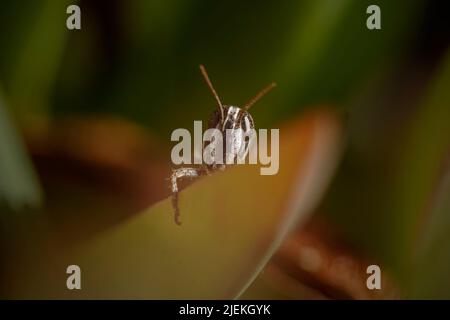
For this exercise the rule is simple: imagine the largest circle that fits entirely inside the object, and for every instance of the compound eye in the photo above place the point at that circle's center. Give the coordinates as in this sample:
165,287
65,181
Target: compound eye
245,123
215,120
228,125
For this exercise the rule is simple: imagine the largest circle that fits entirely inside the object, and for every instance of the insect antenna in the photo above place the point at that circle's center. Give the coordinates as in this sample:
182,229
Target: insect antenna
260,94
208,82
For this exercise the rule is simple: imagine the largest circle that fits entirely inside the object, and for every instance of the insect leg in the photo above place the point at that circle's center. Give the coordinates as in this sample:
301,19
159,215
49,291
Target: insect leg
178,174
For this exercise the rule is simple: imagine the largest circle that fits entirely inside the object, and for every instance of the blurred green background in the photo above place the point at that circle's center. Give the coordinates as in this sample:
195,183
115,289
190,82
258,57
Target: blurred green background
138,61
